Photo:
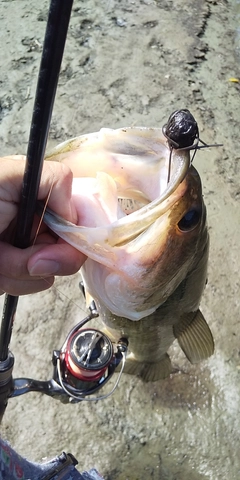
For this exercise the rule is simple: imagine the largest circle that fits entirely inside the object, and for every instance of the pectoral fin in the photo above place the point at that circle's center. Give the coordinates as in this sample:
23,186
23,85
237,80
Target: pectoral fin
194,337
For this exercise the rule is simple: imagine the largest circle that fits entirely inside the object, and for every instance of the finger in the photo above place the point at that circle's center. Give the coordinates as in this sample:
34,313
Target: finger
59,259
39,260
11,174
56,181
20,287
13,261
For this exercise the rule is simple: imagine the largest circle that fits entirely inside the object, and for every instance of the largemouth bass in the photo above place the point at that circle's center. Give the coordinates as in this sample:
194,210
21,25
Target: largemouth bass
146,239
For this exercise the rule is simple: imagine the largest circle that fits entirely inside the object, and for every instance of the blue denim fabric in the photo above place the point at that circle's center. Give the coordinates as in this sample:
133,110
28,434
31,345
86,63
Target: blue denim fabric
15,467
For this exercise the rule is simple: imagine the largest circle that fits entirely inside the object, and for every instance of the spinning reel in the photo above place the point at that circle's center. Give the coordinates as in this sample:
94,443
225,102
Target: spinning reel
84,364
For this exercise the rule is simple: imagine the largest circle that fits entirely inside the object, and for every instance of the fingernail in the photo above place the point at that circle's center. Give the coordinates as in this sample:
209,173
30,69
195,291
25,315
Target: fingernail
44,268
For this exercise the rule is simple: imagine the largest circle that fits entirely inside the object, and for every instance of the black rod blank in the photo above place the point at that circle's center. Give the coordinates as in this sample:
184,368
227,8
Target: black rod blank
53,47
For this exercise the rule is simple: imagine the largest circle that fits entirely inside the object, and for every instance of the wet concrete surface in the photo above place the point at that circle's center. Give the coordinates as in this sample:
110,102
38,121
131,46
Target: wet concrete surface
133,63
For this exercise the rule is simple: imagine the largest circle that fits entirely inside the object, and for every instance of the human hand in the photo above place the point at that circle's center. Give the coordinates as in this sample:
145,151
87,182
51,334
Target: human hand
32,269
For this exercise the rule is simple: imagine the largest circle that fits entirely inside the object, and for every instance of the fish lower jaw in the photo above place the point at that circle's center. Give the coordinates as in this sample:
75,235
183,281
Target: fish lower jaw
126,312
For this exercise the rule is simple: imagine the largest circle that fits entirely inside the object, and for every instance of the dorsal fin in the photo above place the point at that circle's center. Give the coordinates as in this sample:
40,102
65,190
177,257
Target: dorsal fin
194,336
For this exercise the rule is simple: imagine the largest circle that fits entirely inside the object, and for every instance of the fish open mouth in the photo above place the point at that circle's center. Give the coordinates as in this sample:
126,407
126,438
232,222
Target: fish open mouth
137,161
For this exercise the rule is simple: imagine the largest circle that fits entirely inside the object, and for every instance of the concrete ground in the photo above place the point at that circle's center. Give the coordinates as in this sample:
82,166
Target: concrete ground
133,63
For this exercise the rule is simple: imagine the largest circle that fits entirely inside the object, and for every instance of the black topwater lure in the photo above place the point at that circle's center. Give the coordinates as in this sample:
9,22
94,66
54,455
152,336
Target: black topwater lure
182,133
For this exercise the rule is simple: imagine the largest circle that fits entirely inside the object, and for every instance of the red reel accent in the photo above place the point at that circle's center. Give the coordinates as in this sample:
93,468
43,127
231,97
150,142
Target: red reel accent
82,373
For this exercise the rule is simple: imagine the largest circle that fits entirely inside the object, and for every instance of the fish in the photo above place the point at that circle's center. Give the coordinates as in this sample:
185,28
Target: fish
146,238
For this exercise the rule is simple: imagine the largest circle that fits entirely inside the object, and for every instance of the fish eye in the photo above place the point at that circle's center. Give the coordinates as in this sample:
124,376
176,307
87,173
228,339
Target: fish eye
190,220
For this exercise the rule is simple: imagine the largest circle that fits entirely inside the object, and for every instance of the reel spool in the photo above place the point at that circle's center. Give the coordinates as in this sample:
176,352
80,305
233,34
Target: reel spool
88,354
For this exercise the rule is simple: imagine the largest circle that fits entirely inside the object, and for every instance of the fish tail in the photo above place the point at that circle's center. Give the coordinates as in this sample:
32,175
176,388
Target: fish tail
149,372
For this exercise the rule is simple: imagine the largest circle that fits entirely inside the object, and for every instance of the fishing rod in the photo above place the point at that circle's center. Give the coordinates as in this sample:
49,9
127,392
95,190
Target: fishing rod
53,47
88,358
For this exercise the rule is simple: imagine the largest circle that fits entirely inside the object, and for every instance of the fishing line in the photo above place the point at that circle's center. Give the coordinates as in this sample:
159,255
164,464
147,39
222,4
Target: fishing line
42,215
50,285
64,295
